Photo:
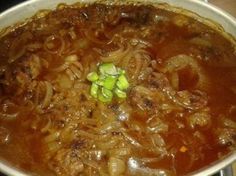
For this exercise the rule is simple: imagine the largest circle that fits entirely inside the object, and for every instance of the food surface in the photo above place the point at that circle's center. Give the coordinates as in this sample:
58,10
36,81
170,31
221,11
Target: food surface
116,90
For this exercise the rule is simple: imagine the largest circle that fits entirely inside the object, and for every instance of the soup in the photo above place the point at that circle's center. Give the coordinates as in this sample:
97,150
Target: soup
116,90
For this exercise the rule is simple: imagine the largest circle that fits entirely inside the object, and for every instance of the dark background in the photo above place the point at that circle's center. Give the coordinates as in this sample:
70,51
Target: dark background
5,4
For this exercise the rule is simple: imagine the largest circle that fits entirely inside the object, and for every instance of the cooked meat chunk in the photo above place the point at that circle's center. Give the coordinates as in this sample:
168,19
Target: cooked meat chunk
226,136
66,161
199,119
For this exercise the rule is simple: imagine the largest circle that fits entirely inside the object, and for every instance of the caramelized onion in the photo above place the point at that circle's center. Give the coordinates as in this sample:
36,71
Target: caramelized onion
116,166
181,61
54,44
116,56
4,135
17,48
136,168
48,95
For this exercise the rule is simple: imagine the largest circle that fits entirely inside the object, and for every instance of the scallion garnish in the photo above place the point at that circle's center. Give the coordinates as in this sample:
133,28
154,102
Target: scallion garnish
122,82
108,68
109,81
120,93
94,90
93,76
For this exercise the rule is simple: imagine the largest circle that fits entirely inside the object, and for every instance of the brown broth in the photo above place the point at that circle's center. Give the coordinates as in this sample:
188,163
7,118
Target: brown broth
94,28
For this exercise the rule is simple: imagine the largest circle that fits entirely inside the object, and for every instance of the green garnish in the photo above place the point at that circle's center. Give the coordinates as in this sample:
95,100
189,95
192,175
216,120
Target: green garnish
107,93
93,76
107,82
122,82
103,99
94,90
120,93
121,72
108,68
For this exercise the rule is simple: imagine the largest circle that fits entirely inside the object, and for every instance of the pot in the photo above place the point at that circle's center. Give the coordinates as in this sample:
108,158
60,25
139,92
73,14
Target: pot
218,19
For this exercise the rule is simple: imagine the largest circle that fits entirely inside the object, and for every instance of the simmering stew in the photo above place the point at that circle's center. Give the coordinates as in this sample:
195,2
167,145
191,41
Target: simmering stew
116,90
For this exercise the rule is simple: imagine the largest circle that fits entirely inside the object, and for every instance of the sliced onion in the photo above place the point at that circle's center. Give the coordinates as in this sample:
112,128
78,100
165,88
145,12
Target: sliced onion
109,142
109,127
90,35
76,71
50,47
91,163
181,61
116,56
51,137
157,140
47,126
131,140
48,96
71,58
34,46
116,166
125,151
53,147
175,80
18,47
87,134
70,74
64,81
136,168
201,42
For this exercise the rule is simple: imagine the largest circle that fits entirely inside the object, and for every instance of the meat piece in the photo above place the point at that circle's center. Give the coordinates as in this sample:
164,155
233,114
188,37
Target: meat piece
141,16
142,98
199,119
190,100
24,72
158,81
228,123
226,136
67,162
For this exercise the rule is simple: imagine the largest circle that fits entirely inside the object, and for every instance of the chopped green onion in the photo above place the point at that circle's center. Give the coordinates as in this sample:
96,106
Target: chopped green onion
121,72
108,68
109,82
93,76
103,99
120,93
122,82
102,77
94,90
107,93
99,82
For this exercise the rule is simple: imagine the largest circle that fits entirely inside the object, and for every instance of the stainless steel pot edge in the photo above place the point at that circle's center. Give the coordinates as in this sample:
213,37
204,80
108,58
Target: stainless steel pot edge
216,166
29,8
208,11
8,170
